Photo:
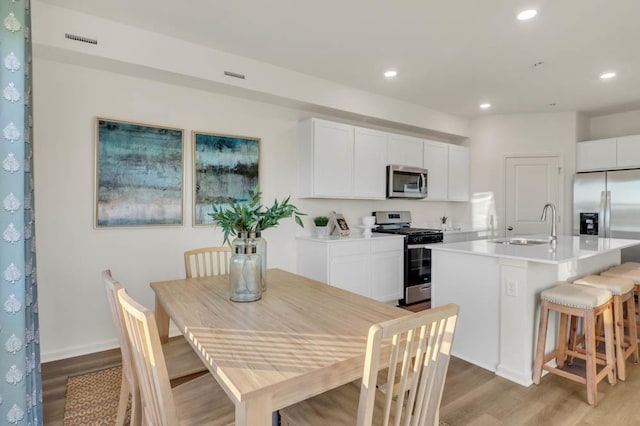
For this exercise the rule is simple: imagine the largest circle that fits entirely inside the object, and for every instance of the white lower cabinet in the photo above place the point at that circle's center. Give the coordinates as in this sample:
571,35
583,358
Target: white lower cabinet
372,267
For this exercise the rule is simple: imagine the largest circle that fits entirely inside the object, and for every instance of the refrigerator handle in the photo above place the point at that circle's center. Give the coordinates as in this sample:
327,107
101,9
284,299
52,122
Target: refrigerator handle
602,229
608,216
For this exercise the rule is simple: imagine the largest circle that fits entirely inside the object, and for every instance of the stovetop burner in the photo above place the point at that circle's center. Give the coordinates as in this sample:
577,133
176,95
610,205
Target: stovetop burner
400,223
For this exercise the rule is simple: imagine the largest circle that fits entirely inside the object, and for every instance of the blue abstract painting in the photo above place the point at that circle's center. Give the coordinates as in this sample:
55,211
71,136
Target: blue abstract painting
139,174
225,170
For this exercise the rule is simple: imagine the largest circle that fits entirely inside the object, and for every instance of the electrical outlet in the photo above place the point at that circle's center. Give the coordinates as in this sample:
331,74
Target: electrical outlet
512,288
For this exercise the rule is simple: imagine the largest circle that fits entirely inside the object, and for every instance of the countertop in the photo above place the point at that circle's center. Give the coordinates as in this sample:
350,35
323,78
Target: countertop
353,237
566,248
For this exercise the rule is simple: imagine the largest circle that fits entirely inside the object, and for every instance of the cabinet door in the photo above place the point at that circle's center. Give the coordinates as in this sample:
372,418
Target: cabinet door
351,273
404,151
436,159
458,173
596,155
332,159
370,160
628,151
387,273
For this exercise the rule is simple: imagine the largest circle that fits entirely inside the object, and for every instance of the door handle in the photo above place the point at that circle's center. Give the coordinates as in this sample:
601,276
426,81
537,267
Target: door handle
509,228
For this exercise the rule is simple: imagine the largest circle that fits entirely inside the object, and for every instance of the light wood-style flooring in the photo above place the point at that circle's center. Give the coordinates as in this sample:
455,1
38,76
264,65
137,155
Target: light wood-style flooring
472,396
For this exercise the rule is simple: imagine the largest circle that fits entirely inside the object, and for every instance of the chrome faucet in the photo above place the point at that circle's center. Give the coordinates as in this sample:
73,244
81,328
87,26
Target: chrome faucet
554,235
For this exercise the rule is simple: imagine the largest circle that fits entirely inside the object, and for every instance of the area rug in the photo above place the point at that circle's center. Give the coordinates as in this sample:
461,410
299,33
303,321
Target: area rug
92,399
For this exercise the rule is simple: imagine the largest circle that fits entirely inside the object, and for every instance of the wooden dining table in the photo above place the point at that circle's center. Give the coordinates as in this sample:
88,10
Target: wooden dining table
302,338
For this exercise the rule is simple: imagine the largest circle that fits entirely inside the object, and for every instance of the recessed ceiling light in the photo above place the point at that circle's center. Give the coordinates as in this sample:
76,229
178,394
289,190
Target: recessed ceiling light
607,75
527,14
485,106
390,73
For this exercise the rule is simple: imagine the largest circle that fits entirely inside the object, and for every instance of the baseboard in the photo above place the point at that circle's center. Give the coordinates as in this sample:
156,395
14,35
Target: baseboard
74,351
515,376
48,356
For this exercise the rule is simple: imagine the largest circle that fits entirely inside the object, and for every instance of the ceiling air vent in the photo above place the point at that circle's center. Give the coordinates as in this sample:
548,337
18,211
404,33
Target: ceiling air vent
80,38
234,74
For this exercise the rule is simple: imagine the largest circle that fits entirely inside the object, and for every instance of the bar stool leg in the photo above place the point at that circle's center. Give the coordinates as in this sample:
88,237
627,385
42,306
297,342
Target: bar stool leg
573,336
590,352
608,341
561,354
619,337
542,339
633,327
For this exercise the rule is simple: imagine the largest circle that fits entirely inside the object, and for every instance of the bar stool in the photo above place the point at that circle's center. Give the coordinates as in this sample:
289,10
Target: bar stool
587,303
630,271
622,291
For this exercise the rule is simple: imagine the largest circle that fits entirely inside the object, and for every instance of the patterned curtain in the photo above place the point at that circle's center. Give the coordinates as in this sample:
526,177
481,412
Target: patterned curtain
20,380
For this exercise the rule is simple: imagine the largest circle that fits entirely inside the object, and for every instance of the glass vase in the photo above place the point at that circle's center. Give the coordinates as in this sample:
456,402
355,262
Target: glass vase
245,277
261,250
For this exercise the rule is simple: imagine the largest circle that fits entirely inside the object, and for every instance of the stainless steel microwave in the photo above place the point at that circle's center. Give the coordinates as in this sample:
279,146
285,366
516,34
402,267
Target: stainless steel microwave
406,182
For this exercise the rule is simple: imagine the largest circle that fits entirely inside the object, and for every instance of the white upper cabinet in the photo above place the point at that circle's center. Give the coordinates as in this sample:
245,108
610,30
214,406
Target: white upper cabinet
331,159
448,171
628,151
458,189
370,160
340,161
436,159
608,154
404,151
596,155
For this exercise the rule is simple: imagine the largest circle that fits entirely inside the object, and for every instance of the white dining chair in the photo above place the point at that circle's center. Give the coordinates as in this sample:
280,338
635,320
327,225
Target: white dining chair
207,261
200,401
419,353
181,360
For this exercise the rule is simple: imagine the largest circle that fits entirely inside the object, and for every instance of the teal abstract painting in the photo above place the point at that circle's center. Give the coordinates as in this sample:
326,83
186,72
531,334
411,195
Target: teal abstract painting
139,174
225,170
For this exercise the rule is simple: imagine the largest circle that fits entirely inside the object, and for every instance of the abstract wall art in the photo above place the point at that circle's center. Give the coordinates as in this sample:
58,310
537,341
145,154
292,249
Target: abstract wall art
139,174
225,169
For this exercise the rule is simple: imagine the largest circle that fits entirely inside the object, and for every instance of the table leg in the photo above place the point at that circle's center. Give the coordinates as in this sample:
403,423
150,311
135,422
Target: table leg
254,412
162,322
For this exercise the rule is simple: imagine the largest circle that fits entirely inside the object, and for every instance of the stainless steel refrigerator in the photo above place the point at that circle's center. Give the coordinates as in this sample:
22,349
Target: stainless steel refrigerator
607,204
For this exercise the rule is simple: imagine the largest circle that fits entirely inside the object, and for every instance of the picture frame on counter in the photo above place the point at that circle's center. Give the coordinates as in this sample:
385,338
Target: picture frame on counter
139,174
340,226
225,169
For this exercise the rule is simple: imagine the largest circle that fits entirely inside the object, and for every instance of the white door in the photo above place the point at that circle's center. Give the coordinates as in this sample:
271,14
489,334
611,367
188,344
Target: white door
531,182
404,151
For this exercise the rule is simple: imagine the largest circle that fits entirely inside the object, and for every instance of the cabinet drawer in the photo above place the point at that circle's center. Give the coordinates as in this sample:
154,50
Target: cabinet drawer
387,244
350,248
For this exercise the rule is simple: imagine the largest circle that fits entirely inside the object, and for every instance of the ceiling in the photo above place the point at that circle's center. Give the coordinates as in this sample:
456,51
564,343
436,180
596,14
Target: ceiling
450,55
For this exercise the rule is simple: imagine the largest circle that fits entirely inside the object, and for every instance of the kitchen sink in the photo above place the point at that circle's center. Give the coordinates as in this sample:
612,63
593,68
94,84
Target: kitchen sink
519,241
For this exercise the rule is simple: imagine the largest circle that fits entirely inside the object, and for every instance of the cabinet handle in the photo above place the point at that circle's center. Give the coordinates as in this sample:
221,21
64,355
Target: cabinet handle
509,228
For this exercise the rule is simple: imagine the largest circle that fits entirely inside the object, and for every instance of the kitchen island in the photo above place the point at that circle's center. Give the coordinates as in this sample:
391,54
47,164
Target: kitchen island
497,286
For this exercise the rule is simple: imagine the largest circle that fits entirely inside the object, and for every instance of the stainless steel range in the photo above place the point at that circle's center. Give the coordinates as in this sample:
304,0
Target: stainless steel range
417,258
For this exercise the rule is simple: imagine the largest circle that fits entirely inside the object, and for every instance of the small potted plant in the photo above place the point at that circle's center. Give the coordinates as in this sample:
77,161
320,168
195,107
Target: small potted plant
443,221
321,222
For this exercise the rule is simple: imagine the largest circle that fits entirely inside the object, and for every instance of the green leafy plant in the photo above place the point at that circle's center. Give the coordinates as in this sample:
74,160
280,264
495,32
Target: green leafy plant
252,216
321,220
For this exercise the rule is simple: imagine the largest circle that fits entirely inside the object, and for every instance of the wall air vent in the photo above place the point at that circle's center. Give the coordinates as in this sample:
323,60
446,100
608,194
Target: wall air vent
80,38
234,74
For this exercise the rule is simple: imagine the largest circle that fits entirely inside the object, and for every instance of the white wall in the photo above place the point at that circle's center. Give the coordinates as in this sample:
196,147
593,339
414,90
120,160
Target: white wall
124,48
612,125
494,137
71,254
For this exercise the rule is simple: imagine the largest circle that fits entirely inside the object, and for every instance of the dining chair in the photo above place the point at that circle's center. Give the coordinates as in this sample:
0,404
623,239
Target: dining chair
197,402
207,261
419,348
181,360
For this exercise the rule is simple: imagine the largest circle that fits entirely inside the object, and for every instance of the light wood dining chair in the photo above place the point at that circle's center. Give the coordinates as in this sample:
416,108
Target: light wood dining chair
181,360
418,362
207,261
200,401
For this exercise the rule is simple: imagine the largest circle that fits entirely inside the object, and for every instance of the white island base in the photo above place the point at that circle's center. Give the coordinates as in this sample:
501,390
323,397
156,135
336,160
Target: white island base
498,288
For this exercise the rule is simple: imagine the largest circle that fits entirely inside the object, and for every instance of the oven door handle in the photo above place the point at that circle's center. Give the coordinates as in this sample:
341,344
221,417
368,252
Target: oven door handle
415,246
